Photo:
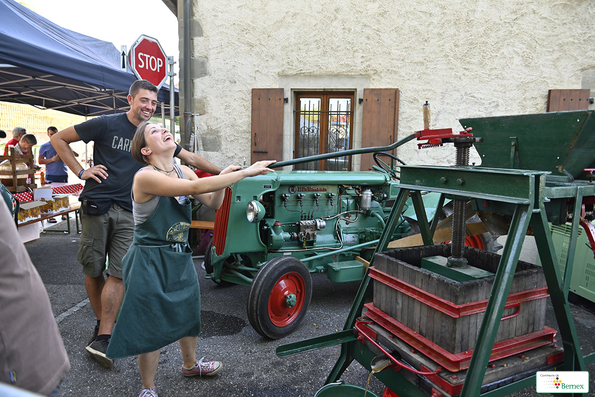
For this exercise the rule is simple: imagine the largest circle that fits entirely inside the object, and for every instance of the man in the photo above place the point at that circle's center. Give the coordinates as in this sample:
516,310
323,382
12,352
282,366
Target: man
32,353
107,222
55,169
24,147
17,134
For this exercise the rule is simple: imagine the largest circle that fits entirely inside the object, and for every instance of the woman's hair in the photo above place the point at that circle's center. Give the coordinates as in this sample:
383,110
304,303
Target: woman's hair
139,142
18,132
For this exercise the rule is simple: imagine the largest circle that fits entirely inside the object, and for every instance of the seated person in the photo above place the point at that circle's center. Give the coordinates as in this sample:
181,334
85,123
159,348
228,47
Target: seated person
17,134
24,147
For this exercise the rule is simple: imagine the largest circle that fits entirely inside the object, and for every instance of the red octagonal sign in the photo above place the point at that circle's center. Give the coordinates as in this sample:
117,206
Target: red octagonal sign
148,60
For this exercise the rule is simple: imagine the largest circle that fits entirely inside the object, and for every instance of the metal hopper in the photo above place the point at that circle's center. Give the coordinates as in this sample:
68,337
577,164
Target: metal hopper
560,142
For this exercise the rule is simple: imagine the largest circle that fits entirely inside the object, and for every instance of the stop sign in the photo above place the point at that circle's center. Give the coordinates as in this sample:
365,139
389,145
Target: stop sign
148,60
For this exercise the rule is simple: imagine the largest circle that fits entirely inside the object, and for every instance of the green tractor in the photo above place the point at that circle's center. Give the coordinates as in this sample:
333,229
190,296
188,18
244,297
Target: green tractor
273,230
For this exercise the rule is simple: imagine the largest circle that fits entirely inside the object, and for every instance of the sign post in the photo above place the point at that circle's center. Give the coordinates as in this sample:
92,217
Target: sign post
172,114
148,60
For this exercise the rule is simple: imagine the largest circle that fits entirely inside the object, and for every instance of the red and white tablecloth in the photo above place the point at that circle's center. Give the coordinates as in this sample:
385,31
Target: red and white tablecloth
57,188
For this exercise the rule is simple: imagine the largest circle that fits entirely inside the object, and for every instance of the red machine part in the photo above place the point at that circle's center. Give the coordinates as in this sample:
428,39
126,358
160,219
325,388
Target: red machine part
221,221
370,335
366,333
447,307
472,241
280,313
457,362
389,393
437,137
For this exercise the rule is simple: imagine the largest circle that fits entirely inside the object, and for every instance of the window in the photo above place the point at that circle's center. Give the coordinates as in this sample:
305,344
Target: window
323,124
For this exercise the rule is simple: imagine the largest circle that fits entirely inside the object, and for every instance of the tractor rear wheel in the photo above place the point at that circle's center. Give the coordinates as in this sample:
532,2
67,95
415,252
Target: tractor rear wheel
279,297
209,266
484,241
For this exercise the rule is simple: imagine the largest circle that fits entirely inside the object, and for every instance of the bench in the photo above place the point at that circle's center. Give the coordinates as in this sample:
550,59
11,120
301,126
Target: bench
65,211
202,225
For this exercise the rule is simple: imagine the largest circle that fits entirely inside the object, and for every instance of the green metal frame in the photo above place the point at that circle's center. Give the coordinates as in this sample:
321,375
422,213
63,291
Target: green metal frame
520,192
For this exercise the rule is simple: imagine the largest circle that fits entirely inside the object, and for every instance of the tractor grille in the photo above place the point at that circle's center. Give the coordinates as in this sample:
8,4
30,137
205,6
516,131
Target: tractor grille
221,221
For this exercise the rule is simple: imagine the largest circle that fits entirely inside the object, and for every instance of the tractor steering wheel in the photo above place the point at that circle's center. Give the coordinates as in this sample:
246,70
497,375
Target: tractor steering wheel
391,170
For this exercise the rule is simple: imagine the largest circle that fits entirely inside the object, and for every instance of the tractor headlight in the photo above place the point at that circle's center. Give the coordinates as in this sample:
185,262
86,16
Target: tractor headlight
255,211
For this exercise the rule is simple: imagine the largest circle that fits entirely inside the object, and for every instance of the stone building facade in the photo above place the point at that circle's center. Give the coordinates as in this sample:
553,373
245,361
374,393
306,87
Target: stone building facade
466,59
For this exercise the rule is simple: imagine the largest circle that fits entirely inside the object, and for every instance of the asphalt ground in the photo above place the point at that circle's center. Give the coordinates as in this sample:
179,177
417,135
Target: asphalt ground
251,367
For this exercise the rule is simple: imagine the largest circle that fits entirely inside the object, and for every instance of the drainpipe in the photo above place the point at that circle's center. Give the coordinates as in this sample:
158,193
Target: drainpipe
186,73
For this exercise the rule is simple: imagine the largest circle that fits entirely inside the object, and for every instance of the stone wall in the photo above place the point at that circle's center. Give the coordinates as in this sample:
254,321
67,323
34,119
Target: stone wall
467,59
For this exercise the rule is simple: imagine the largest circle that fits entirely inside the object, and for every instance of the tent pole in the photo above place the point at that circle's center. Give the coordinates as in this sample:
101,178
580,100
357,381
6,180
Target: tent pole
187,76
172,113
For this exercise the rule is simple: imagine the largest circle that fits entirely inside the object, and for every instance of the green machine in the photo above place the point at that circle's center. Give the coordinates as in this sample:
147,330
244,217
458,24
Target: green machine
274,230
535,173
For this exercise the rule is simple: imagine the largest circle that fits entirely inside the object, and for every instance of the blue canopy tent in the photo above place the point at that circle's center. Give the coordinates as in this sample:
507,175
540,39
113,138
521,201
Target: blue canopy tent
47,66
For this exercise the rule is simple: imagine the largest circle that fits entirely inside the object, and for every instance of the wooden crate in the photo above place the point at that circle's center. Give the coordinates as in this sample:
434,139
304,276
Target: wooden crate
16,181
445,311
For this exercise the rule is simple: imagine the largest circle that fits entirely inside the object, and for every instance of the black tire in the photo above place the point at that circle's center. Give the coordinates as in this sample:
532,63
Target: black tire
268,309
207,260
209,266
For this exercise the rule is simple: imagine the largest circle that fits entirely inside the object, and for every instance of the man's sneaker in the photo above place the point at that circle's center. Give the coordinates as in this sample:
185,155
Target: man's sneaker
207,368
97,350
95,332
150,392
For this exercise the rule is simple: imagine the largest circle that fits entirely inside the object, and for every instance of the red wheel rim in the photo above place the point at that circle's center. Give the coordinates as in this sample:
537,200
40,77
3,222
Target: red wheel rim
280,314
472,241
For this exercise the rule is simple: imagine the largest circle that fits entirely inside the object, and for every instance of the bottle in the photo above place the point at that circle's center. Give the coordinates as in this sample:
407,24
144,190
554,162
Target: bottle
42,178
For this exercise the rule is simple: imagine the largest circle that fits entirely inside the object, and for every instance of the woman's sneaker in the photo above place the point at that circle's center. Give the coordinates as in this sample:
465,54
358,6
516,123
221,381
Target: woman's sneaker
150,392
207,368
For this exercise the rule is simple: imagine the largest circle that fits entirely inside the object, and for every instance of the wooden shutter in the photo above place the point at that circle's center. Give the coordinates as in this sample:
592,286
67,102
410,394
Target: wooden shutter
560,100
267,124
380,120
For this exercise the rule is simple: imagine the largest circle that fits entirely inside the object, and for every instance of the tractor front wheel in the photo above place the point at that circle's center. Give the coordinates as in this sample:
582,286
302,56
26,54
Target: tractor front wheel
279,297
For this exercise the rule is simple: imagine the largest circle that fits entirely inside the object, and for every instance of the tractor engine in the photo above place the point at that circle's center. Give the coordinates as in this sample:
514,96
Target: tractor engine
313,217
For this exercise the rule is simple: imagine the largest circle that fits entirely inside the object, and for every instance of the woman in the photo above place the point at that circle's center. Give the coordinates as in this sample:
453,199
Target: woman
162,299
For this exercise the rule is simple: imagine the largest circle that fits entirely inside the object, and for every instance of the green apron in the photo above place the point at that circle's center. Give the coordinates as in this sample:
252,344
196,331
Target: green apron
161,294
